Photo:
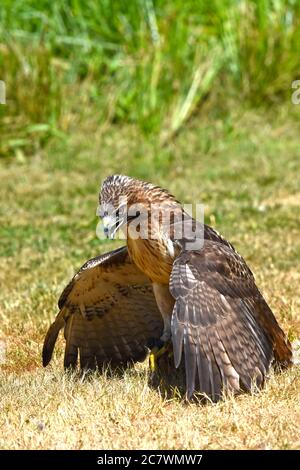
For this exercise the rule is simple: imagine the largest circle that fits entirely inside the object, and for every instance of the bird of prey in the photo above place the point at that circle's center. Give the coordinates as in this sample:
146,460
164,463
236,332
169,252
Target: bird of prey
166,288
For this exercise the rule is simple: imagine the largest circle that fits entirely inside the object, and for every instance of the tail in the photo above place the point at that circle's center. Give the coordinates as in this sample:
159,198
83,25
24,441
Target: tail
51,338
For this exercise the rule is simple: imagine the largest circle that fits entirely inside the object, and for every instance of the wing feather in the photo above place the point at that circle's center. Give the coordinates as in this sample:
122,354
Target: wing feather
108,312
221,323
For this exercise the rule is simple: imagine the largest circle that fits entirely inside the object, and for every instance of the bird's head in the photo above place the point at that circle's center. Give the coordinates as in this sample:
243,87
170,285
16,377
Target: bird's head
124,199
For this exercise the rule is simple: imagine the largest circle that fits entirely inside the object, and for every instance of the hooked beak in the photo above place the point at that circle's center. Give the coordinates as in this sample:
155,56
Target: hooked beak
111,224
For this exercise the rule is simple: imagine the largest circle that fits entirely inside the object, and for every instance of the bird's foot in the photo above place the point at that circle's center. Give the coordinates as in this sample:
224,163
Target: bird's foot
158,348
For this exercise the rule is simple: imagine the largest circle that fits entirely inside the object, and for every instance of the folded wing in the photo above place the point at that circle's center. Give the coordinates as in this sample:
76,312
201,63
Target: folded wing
108,312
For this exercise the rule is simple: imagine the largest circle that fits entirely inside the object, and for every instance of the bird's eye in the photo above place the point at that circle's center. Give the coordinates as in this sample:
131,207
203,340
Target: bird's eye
105,214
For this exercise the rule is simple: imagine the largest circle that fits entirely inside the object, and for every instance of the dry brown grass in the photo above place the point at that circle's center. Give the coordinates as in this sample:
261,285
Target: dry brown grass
42,409
45,409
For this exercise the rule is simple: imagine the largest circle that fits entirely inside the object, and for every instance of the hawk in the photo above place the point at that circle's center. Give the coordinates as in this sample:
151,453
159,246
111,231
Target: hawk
199,299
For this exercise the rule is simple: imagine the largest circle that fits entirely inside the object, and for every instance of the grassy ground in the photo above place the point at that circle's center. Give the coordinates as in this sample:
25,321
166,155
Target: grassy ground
245,168
194,96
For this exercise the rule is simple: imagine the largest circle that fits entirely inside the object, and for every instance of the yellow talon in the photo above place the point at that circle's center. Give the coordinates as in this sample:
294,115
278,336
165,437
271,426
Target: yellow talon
152,362
155,354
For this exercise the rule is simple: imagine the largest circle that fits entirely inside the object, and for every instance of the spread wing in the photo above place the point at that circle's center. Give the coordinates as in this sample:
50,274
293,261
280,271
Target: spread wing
108,312
221,322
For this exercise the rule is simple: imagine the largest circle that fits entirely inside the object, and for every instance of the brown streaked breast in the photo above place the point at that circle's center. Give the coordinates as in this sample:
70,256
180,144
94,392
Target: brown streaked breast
151,257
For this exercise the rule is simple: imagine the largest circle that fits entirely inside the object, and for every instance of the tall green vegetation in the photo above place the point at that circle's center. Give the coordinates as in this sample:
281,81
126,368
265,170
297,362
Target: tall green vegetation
148,63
